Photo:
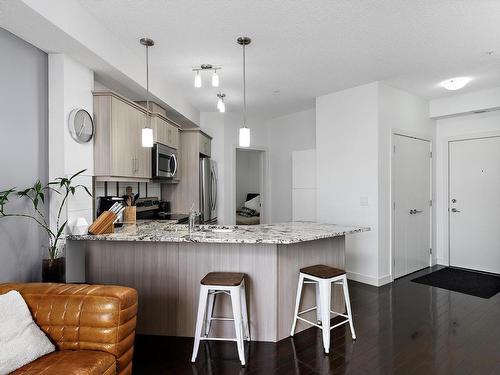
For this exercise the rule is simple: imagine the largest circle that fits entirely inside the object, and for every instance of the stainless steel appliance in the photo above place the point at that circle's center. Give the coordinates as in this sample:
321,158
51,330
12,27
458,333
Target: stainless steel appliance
150,208
164,161
208,190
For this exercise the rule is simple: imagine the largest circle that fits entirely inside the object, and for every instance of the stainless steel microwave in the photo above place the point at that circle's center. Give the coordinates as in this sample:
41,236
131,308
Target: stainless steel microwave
164,162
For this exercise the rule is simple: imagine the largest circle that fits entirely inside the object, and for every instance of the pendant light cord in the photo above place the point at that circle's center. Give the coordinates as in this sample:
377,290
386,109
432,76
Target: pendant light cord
244,90
147,85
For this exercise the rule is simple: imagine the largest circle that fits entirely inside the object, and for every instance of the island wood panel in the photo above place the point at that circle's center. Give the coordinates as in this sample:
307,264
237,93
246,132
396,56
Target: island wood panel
149,267
257,261
291,258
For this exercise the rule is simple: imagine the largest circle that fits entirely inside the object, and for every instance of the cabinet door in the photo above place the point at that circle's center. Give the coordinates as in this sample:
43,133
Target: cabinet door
160,130
172,136
124,137
143,167
205,145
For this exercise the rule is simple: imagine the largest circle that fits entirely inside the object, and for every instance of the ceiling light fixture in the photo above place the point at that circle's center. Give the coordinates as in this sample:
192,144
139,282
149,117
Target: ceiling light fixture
215,79
244,136
147,132
203,67
197,79
221,105
455,83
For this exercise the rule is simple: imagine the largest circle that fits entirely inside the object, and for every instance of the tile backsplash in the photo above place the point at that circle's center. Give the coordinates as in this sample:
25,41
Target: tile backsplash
145,189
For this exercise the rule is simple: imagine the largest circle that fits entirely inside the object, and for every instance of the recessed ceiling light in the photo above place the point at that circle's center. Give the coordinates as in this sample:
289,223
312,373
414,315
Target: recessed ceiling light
455,83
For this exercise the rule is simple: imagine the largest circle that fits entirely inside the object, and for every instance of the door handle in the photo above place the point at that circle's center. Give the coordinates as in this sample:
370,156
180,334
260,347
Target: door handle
415,211
455,210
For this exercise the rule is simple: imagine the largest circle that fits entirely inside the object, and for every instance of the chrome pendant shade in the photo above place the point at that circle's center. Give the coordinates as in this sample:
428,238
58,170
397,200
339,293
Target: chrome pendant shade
147,132
244,134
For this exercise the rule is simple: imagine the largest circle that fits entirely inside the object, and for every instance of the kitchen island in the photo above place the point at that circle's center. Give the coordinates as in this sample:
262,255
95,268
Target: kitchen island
165,264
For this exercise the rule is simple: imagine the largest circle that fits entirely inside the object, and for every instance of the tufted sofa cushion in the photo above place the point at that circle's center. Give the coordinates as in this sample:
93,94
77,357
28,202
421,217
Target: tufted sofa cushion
84,317
81,362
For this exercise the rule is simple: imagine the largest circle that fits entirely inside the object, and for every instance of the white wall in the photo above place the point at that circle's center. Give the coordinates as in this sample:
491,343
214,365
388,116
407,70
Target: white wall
23,152
248,174
353,155
465,103
304,185
409,114
70,87
289,133
347,171
454,128
224,129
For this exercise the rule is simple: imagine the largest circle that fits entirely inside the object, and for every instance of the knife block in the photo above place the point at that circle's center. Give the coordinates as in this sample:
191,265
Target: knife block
103,224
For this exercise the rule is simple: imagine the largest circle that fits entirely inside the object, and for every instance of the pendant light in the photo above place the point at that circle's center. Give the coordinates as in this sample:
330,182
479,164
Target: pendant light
147,132
221,105
197,79
215,79
244,136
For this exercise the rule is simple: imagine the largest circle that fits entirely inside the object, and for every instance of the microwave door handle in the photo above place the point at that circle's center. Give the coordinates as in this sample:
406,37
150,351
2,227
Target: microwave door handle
175,165
157,160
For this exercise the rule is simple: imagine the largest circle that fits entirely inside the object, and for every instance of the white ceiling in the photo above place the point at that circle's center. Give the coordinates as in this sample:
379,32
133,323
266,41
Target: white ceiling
309,48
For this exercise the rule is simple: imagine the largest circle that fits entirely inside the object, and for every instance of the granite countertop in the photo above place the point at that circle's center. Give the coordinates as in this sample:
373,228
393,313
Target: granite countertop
280,233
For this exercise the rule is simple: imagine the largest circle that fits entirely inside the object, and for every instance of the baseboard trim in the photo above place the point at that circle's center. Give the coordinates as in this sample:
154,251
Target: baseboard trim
370,280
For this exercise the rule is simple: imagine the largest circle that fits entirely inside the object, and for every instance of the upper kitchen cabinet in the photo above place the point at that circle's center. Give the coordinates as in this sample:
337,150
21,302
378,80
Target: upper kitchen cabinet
205,144
118,150
164,132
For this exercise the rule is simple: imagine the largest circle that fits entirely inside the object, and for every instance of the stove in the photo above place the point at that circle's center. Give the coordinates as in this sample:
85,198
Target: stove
149,209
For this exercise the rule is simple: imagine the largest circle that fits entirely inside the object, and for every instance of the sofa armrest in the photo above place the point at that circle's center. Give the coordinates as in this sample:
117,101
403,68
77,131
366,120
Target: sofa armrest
84,317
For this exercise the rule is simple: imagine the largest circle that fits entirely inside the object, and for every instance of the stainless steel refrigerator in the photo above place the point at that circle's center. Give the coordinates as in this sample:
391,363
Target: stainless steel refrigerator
208,190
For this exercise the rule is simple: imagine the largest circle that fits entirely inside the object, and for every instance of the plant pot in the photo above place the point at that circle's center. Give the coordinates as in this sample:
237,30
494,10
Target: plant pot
54,270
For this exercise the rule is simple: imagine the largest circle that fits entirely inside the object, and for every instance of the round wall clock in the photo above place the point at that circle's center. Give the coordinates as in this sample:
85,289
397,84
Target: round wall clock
81,126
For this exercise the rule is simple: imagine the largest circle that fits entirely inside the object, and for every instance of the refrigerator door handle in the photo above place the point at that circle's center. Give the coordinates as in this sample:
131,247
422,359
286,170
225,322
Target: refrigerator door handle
214,188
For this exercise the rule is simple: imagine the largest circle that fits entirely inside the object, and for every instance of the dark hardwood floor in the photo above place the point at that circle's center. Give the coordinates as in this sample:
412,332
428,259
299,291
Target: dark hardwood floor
402,328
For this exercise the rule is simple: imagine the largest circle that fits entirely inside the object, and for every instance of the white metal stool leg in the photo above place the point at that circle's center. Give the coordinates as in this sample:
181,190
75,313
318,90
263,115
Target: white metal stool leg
246,326
318,304
238,323
325,297
348,306
210,312
202,304
297,303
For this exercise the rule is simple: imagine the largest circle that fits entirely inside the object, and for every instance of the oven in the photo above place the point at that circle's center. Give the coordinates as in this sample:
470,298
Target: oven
164,162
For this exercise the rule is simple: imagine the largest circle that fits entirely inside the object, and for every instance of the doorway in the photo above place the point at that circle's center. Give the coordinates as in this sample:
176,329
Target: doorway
249,186
411,201
474,203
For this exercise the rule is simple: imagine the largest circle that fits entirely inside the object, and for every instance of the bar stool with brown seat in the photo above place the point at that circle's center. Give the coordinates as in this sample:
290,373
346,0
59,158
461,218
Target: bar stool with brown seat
232,284
323,276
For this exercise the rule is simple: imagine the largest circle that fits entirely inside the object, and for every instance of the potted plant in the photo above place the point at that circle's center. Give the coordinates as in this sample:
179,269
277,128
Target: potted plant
53,267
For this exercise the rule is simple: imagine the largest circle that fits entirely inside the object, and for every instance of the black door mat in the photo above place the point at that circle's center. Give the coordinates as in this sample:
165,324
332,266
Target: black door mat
468,282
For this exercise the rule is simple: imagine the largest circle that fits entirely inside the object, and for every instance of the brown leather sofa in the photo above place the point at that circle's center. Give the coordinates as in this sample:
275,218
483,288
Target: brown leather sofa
92,327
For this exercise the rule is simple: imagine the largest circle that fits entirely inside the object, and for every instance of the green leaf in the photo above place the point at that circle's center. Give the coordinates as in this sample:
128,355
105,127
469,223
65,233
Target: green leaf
61,229
42,197
72,189
76,174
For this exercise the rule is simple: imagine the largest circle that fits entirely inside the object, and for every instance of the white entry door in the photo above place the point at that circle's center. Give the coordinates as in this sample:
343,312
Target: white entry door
411,175
474,206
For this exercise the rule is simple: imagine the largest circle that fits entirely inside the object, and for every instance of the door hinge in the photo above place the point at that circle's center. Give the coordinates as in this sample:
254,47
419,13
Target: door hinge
430,251
431,154
430,203
393,205
394,148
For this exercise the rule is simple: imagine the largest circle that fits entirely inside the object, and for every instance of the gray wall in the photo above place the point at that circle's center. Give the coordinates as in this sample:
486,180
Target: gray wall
23,151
